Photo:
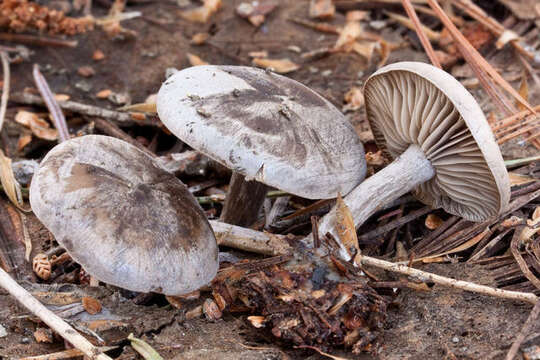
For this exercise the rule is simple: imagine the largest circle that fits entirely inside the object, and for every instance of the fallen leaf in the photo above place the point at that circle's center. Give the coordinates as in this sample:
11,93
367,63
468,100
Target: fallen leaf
39,127
199,38
145,350
345,227
364,48
348,35
194,60
91,305
281,66
433,221
24,140
43,335
354,98
321,9
201,14
98,55
86,71
103,94
10,185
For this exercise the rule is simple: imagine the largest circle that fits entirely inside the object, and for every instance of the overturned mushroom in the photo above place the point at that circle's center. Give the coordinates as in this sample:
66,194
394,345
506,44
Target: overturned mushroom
124,219
441,143
265,127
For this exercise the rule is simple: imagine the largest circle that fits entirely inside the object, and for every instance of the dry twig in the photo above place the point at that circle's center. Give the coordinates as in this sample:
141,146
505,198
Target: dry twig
525,330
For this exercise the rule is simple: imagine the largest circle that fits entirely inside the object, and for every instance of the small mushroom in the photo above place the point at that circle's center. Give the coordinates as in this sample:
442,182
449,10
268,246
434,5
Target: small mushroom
265,127
442,146
127,221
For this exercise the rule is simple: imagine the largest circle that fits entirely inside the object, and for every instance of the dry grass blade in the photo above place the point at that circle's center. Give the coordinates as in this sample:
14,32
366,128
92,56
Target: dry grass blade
65,354
10,185
143,348
421,34
5,87
479,65
321,352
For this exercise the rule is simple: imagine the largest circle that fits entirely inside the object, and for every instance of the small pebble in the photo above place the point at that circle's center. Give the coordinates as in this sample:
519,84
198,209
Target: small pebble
378,24
83,85
3,331
326,73
455,339
25,340
86,71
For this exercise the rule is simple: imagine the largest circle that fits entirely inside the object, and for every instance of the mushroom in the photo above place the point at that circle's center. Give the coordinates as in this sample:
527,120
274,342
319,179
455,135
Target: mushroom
127,221
442,146
264,127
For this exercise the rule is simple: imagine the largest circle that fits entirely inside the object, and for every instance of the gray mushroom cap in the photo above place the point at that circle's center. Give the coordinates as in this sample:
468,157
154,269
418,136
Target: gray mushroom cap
124,219
416,103
265,126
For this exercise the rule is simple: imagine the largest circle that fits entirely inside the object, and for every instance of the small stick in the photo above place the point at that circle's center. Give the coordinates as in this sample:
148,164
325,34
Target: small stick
5,88
120,117
315,231
65,354
421,34
37,40
57,115
445,281
51,319
526,329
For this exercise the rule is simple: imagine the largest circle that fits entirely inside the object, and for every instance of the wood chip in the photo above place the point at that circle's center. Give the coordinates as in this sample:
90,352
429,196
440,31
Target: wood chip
98,55
194,60
281,66
103,94
199,38
43,335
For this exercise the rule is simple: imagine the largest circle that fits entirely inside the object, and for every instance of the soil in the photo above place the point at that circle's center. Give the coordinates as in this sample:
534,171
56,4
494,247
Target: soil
438,324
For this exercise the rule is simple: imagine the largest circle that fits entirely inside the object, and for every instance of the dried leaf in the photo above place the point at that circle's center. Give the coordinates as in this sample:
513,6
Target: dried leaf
348,35
345,227
24,140
39,127
145,350
256,11
505,38
364,48
43,335
91,305
211,310
257,321
199,38
10,185
103,94
433,221
354,98
321,9
281,66
201,14
194,60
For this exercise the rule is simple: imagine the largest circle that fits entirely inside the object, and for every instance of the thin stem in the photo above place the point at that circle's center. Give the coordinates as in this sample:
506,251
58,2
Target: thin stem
406,172
56,113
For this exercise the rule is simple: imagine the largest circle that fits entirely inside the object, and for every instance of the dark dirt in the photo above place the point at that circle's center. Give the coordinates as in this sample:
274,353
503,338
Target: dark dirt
440,324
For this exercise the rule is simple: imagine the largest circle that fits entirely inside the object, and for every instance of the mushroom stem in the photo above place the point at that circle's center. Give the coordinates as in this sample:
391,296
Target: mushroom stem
244,201
406,172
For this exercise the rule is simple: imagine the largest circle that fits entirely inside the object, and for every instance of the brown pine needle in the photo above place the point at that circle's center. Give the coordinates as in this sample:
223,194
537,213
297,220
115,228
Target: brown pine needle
512,119
528,121
421,34
516,134
480,66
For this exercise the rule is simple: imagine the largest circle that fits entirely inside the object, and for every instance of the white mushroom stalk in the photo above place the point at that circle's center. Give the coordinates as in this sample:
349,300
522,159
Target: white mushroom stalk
442,146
